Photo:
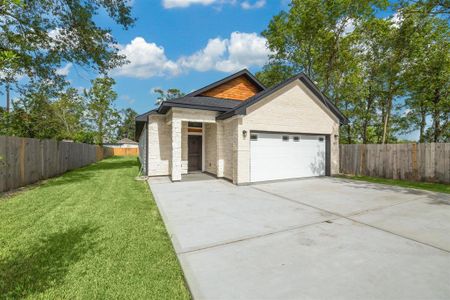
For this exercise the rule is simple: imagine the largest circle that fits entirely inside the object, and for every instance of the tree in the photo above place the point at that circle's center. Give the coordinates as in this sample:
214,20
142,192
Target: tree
428,73
101,113
167,95
127,126
319,38
388,75
37,37
33,115
69,110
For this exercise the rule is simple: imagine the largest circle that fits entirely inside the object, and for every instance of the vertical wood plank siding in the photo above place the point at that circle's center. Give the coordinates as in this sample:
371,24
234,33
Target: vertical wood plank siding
417,162
24,161
237,89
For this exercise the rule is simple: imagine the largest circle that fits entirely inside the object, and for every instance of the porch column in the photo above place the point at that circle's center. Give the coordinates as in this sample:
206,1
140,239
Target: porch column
219,151
176,149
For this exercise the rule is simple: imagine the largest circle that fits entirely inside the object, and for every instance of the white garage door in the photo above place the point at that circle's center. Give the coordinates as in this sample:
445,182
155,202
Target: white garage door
280,156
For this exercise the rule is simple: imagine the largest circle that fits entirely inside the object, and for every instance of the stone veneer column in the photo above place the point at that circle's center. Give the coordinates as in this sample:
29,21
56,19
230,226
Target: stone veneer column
219,151
176,150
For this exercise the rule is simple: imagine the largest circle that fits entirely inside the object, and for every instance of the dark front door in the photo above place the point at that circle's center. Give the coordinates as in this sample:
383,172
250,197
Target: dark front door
194,153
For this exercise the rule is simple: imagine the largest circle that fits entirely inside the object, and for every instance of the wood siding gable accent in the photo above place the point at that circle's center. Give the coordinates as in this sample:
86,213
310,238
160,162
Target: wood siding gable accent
239,88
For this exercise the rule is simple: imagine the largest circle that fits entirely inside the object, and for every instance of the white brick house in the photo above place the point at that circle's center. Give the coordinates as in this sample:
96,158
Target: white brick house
237,129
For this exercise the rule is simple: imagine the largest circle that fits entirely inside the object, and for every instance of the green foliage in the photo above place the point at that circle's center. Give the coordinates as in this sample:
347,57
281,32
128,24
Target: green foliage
103,116
127,126
167,95
37,37
69,111
387,75
274,73
55,111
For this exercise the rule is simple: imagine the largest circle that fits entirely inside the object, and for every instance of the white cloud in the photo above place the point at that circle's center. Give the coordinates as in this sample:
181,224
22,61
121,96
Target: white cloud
244,50
246,4
206,58
128,99
256,4
145,60
241,50
185,3
64,71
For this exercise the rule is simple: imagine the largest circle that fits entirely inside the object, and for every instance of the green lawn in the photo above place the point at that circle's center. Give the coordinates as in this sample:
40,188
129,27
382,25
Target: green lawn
92,233
434,187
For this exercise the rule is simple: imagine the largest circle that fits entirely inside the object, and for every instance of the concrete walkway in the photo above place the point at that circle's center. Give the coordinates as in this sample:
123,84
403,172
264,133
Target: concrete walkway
308,239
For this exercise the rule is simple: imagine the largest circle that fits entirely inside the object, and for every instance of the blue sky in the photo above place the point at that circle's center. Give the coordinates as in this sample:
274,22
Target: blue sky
184,44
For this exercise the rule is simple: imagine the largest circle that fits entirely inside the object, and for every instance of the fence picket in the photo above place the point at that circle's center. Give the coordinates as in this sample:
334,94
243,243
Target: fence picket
24,160
419,162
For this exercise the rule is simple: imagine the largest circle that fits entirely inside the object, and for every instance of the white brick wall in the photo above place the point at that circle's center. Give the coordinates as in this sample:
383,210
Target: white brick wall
176,150
184,147
229,148
291,109
210,136
159,148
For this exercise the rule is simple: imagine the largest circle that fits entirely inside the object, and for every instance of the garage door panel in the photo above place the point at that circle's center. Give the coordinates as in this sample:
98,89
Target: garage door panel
273,158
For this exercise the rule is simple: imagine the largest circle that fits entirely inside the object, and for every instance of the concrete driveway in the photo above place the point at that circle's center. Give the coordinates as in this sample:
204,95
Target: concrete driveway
308,239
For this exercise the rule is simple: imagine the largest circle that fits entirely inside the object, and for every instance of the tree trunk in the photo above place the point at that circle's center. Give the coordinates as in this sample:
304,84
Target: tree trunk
422,126
436,115
8,100
366,118
387,119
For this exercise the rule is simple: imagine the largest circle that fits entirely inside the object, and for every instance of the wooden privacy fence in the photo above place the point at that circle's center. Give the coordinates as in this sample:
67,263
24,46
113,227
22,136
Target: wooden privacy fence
24,160
109,151
417,162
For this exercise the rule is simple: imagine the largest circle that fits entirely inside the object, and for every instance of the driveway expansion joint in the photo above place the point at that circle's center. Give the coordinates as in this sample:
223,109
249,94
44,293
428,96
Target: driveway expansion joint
249,238
349,217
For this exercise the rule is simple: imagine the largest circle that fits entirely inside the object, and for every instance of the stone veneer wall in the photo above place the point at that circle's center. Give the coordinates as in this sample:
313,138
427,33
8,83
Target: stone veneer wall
291,109
210,136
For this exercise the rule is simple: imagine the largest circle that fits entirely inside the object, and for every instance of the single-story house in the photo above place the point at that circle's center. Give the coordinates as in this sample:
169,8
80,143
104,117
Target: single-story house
123,143
238,129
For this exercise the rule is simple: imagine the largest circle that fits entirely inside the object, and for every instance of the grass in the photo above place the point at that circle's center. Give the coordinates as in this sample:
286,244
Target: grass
429,186
92,233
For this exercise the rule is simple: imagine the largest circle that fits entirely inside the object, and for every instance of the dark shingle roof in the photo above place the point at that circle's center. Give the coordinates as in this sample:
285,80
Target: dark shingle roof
199,102
227,107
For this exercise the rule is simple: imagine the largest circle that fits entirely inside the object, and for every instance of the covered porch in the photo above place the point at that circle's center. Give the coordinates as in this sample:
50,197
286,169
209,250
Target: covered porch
195,139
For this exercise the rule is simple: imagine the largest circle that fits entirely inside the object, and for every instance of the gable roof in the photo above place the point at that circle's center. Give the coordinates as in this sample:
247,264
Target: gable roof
126,141
243,72
241,109
229,107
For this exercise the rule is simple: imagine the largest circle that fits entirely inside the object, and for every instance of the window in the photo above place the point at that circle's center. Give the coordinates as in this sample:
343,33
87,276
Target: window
285,138
195,124
296,139
253,137
321,139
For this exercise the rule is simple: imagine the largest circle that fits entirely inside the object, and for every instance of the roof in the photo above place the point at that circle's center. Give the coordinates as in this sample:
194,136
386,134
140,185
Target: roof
140,122
228,107
126,141
241,109
199,102
243,72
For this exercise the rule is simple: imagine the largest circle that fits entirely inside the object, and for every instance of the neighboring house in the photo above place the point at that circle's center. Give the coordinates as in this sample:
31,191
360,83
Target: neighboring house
237,129
123,143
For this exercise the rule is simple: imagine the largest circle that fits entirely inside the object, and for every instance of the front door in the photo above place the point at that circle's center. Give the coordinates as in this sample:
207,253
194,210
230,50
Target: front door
194,153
